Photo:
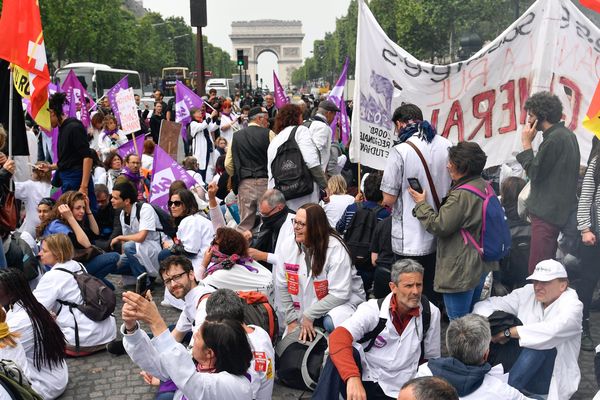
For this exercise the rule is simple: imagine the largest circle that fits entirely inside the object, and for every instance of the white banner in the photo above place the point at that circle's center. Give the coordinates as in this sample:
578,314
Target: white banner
130,122
552,46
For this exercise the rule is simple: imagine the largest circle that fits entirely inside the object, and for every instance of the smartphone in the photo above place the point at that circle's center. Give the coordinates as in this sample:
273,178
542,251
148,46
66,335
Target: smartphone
141,285
415,185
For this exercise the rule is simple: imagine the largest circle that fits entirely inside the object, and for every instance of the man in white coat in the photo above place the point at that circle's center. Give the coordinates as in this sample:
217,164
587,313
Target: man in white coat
550,336
466,368
320,130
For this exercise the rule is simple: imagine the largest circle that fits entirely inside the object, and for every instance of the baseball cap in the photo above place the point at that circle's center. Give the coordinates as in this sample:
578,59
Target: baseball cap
328,105
548,270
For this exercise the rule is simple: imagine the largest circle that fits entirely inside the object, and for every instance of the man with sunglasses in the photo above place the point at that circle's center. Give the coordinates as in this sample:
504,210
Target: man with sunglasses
246,159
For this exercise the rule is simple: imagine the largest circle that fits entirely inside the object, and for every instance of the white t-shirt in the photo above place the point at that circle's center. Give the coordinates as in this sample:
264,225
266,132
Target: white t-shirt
336,207
31,192
147,251
147,162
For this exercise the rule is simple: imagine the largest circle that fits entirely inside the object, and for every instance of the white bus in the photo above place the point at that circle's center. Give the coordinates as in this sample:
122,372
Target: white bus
97,79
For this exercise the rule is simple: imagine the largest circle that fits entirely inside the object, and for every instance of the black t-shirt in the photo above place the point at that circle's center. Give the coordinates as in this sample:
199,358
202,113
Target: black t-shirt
382,243
73,145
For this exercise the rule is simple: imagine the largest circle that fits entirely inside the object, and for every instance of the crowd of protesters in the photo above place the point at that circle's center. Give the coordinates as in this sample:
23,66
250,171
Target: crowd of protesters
375,261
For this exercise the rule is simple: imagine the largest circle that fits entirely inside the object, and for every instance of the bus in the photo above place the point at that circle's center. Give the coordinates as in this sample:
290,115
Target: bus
97,79
172,74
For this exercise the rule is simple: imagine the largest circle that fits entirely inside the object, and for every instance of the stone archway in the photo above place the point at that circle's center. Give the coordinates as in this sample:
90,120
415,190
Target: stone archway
282,38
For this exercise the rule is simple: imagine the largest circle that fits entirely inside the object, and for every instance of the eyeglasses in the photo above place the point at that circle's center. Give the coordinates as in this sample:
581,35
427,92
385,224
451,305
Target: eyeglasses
298,223
174,278
176,203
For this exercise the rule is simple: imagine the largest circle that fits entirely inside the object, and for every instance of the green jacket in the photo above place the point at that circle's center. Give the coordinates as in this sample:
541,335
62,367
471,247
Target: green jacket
458,265
553,172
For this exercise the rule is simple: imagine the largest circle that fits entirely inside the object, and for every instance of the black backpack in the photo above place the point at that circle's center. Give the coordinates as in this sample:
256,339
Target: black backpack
426,317
515,266
168,228
292,176
99,300
20,256
359,235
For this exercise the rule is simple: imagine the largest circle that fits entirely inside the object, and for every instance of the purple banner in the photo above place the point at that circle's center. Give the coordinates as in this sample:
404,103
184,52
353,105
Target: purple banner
77,96
112,96
280,98
164,173
128,148
185,100
336,95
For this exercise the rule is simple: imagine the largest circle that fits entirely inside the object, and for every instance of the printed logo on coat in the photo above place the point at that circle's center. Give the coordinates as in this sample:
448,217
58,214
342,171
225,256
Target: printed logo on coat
379,342
321,288
260,361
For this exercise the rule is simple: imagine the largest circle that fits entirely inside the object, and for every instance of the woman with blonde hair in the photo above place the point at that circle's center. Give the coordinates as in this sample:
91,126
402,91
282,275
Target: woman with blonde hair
58,285
338,199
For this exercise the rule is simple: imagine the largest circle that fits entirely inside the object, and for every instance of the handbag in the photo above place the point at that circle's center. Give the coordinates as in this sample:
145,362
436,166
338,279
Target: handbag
8,213
436,199
87,255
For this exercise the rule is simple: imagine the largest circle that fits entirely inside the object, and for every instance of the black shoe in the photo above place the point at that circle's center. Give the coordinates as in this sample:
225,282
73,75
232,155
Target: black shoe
116,348
587,343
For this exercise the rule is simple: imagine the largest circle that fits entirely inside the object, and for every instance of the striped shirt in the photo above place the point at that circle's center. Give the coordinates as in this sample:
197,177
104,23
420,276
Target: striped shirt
590,194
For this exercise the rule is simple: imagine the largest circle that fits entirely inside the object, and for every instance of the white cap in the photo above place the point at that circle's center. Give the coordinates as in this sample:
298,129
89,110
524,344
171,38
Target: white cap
548,270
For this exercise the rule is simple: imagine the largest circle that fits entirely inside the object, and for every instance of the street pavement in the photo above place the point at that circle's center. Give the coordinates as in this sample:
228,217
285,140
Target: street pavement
105,376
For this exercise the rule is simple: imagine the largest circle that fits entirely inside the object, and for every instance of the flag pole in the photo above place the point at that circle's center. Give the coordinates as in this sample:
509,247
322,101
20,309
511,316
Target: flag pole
359,178
135,146
10,110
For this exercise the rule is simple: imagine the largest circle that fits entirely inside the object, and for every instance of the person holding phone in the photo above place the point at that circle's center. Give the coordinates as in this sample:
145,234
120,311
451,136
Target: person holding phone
553,173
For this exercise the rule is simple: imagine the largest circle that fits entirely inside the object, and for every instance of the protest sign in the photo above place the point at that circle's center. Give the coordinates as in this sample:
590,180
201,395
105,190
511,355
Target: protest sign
168,138
164,173
112,96
552,47
130,121
130,147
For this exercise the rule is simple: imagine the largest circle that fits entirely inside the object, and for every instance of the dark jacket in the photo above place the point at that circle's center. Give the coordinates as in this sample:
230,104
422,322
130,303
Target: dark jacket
250,152
465,378
553,172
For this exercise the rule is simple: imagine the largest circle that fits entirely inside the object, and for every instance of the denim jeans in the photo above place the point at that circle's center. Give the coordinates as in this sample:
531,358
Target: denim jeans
2,257
129,263
461,303
325,322
532,372
71,180
102,265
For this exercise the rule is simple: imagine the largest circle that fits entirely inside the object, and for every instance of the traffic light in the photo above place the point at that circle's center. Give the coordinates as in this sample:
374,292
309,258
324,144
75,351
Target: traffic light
240,58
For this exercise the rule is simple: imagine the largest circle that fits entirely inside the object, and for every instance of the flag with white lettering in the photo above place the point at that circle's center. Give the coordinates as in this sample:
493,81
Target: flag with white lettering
337,96
165,171
128,148
112,95
78,98
279,93
185,101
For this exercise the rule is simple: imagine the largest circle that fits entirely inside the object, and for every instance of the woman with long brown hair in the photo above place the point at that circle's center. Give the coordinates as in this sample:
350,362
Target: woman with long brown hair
315,278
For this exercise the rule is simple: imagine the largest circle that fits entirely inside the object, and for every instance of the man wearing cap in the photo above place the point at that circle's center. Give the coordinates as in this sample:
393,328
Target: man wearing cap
550,336
320,130
246,161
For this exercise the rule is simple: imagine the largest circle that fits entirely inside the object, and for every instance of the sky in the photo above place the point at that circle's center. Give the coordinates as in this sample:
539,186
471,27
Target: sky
317,16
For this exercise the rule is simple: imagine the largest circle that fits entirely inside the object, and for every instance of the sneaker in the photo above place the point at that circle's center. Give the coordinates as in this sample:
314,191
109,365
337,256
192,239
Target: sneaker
116,348
587,344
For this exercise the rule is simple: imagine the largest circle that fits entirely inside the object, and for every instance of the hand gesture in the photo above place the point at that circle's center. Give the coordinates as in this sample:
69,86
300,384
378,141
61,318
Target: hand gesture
65,212
588,238
143,309
86,200
529,132
417,197
44,167
307,330
213,187
149,379
3,158
9,165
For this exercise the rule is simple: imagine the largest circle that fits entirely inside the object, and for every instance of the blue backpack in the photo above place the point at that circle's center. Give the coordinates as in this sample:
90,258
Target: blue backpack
495,240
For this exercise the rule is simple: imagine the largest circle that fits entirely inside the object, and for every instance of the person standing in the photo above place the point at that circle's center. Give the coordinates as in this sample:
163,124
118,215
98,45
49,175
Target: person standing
271,109
246,159
320,130
553,173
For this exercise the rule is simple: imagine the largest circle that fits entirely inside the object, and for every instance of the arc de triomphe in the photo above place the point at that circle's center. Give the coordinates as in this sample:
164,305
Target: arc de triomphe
282,38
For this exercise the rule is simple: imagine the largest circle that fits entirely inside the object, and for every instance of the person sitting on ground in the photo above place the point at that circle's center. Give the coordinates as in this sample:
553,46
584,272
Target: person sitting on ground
57,285
228,265
148,155
466,368
30,193
114,168
221,351
42,339
105,217
315,279
131,173
338,198
550,336
427,388
72,216
379,365
11,349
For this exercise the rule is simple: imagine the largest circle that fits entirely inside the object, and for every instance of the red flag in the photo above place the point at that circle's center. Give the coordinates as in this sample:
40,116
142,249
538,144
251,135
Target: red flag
23,44
591,4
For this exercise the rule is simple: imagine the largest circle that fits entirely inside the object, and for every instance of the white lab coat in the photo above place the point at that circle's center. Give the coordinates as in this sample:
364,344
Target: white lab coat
320,133
165,359
59,285
31,192
240,278
49,383
106,145
558,326
199,144
336,207
338,278
196,233
393,360
194,310
310,154
228,133
262,366
147,251
494,386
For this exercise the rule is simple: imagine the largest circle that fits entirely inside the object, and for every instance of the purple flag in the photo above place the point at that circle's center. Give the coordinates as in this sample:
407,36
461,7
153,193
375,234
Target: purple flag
128,148
164,173
185,100
280,98
337,96
112,96
77,97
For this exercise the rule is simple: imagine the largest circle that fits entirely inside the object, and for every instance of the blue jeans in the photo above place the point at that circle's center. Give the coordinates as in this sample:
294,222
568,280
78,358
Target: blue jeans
102,265
532,372
128,263
164,253
325,322
2,257
461,303
71,180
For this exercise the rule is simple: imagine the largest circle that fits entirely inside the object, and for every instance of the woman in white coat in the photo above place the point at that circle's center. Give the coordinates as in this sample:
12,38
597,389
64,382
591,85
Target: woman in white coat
316,279
201,129
112,137
40,336
57,251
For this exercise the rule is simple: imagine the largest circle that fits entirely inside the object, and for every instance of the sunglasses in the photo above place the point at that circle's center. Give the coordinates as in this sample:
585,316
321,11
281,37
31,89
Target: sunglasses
176,203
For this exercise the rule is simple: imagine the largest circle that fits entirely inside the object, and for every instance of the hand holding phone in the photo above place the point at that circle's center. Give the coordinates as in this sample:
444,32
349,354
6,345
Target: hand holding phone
415,185
141,284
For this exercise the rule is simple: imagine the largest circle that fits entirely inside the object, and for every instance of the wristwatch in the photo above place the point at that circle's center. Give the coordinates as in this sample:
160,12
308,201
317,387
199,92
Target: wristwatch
507,333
